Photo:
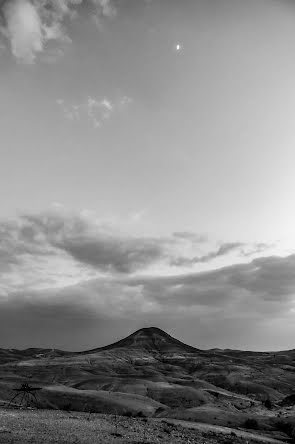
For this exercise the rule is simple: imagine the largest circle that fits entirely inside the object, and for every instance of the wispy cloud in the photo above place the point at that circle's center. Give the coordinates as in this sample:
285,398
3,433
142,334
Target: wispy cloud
59,248
244,249
194,237
28,25
96,111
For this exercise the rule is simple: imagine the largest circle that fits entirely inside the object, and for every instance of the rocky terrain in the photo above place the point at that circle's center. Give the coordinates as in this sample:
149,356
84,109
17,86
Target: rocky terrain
151,378
48,426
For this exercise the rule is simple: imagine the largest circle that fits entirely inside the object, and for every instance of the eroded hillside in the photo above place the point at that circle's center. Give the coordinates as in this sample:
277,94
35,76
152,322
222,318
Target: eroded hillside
151,374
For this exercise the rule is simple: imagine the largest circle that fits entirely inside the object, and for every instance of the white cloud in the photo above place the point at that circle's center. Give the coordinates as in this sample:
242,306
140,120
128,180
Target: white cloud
58,249
124,101
97,111
28,25
24,29
107,8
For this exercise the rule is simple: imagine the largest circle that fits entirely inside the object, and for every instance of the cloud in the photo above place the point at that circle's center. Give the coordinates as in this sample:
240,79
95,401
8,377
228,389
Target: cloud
96,111
188,235
29,261
74,271
224,249
58,248
259,293
258,247
29,25
264,287
96,244
24,29
106,7
110,253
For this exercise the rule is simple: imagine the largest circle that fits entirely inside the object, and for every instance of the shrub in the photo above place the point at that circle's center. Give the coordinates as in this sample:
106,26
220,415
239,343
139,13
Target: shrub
251,423
67,407
268,404
286,427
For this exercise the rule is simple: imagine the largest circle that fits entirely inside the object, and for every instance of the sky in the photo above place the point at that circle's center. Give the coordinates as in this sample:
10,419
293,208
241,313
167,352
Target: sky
147,172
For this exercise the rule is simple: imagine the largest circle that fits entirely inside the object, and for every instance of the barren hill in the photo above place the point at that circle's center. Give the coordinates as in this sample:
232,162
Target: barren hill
151,339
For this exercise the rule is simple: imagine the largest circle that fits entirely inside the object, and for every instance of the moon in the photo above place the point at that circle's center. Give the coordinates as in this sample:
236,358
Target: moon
177,47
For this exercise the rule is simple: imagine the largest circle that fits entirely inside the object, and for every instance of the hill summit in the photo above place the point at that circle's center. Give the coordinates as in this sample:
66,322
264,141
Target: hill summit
150,339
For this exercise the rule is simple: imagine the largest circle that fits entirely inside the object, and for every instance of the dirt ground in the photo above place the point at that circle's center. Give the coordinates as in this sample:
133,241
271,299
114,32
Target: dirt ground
47,426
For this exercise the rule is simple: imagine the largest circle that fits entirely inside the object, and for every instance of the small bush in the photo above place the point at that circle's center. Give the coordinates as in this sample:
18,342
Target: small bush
67,407
286,427
251,423
268,404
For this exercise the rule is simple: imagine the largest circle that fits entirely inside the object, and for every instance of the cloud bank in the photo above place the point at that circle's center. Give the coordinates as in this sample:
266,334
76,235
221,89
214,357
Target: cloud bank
81,241
65,248
29,25
76,271
256,297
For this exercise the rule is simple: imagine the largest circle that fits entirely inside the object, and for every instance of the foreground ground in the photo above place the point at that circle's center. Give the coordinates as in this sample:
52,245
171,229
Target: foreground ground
47,426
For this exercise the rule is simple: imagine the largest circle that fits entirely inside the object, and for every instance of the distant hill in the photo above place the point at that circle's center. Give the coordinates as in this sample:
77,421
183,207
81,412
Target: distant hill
150,339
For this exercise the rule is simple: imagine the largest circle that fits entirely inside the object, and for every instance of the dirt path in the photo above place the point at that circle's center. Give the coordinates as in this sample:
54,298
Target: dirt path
202,427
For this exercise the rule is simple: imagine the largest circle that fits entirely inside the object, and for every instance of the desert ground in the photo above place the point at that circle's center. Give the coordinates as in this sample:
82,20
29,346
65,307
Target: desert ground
148,387
47,426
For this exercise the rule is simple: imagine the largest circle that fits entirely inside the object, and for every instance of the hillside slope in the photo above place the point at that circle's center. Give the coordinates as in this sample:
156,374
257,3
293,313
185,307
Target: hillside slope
150,373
